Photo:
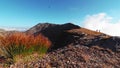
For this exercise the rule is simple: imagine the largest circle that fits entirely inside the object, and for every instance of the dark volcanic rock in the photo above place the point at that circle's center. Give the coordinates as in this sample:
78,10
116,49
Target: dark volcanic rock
60,36
54,32
112,43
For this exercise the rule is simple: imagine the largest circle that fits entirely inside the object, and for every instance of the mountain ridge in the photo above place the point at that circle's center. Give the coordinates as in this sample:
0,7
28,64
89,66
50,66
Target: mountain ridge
64,34
74,47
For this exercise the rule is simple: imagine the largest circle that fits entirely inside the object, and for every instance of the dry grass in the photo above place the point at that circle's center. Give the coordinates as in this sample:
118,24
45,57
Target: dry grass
86,31
28,58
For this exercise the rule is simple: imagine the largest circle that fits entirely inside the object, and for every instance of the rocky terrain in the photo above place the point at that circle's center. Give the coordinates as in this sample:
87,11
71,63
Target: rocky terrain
75,47
76,56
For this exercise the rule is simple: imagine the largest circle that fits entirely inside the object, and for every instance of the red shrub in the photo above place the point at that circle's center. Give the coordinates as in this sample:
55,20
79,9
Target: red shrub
19,43
25,39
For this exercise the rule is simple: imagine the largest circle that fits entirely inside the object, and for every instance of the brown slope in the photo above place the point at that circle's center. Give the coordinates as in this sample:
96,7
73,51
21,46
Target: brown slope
85,31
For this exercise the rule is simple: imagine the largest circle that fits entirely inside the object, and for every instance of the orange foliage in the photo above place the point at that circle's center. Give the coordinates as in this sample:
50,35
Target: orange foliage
25,39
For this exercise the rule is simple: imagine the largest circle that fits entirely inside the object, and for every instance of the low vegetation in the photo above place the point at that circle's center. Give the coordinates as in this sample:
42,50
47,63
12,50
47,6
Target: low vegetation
20,44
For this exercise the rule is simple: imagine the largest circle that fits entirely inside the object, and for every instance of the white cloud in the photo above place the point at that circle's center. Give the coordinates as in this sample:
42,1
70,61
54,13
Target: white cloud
102,22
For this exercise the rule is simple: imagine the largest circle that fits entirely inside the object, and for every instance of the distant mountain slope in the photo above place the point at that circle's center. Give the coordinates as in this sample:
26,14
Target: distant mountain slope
65,34
5,32
2,32
40,27
47,27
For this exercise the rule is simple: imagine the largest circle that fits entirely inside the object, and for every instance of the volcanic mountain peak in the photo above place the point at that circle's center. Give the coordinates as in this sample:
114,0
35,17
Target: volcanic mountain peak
39,27
65,34
48,26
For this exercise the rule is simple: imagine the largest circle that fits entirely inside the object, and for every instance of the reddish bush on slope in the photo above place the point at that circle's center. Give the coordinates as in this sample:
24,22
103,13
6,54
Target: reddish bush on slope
20,43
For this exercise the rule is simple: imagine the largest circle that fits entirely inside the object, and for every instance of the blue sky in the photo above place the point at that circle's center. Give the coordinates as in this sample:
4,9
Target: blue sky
27,13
